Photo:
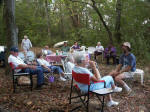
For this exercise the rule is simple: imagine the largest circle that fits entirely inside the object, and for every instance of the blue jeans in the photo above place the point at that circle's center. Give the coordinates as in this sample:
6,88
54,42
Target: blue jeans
38,71
55,69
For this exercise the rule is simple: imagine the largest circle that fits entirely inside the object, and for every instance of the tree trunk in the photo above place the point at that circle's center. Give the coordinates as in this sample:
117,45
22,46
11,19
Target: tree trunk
10,27
118,21
104,24
48,18
61,22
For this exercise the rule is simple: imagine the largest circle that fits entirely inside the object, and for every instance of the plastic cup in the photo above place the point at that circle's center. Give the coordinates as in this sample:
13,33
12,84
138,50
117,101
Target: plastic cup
51,79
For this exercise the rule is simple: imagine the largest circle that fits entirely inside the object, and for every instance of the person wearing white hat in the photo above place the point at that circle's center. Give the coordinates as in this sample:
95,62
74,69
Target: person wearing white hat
126,67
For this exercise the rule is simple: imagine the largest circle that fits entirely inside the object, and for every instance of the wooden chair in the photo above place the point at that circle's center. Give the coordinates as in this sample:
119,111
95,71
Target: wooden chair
15,75
85,79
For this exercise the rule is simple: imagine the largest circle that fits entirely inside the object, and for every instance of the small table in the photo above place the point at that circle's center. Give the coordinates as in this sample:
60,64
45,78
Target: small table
54,58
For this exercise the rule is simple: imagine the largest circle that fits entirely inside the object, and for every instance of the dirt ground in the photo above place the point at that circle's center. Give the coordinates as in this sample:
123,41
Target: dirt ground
54,96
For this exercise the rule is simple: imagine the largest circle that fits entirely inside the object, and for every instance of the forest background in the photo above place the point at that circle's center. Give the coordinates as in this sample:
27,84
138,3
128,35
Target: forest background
87,21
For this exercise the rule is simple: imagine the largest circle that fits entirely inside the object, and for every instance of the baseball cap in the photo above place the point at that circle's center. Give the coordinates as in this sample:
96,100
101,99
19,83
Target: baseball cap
14,49
127,44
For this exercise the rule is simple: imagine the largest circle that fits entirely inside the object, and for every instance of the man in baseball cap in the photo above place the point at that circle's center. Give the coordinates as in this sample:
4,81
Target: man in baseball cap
126,67
25,68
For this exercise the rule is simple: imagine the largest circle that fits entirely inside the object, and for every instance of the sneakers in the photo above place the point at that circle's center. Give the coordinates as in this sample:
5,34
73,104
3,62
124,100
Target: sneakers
62,79
117,89
112,103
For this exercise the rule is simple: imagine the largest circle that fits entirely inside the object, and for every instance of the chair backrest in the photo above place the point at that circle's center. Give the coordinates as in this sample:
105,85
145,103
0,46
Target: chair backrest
91,50
30,56
21,55
81,78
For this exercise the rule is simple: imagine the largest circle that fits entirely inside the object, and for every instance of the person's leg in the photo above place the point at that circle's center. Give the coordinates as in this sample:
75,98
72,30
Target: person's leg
39,72
114,59
107,59
120,78
95,54
58,70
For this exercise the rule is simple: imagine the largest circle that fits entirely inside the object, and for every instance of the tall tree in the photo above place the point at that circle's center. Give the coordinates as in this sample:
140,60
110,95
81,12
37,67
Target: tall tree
48,18
118,21
10,26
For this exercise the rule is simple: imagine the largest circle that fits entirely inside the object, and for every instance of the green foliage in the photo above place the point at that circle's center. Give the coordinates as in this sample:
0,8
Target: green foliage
135,23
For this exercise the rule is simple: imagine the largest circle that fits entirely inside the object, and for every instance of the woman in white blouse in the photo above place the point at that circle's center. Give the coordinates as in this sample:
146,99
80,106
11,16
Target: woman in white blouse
99,50
26,44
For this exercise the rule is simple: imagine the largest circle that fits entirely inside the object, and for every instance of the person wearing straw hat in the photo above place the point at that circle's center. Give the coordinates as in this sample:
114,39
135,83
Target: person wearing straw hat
126,67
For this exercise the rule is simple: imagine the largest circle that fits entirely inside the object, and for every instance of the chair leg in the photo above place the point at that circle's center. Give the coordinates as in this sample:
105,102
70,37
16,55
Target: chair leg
31,85
71,91
142,78
102,109
14,85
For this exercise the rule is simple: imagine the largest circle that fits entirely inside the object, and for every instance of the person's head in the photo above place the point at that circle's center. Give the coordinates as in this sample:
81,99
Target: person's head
14,51
39,55
126,47
80,59
25,37
75,43
46,47
110,46
70,59
98,43
65,43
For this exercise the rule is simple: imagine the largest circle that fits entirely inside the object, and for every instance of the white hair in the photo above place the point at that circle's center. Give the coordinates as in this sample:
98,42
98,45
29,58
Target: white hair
79,57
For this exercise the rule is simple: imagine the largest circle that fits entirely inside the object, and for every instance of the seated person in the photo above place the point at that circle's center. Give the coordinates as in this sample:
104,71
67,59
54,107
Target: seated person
18,62
70,63
75,46
48,68
99,50
80,59
46,51
110,52
126,67
65,48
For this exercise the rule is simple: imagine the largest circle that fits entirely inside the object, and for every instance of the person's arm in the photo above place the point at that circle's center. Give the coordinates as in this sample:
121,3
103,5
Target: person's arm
46,67
95,70
26,66
126,69
30,43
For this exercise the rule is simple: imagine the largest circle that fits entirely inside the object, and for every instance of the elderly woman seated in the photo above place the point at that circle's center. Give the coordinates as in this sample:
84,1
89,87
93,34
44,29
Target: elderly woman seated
46,50
80,59
48,68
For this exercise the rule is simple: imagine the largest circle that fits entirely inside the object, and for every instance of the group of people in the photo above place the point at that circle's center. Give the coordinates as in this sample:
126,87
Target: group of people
125,69
108,52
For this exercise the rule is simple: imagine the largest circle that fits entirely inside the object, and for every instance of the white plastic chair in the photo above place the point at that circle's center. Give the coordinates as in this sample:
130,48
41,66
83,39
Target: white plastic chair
141,73
30,56
91,50
21,55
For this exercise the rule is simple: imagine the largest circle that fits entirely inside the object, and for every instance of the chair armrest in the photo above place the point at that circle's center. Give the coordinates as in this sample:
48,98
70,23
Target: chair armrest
100,81
19,74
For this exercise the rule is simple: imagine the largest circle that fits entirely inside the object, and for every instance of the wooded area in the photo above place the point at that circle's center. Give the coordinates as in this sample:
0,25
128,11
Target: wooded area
47,22
86,21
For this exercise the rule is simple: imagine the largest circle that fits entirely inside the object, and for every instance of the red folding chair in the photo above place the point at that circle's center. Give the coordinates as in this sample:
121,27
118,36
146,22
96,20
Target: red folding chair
15,75
85,79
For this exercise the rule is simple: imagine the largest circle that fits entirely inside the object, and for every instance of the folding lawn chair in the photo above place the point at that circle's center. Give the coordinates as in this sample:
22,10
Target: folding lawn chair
85,79
15,76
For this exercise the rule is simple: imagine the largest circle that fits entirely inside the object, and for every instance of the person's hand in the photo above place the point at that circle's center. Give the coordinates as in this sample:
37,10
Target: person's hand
32,67
49,70
92,64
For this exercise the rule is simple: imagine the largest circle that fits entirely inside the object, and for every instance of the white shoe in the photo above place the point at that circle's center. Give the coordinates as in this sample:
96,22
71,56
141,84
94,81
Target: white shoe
112,103
117,89
62,79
